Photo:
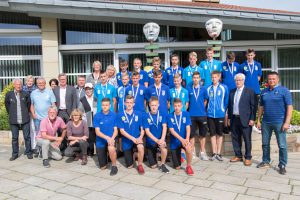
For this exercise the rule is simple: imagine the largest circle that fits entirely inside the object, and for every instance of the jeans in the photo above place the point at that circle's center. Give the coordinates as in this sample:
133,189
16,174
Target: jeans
36,123
267,130
15,138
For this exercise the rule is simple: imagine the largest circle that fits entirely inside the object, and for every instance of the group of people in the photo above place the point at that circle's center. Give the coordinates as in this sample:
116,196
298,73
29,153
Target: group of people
148,113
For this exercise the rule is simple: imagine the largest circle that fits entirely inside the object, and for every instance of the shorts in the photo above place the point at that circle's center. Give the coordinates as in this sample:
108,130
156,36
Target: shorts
199,123
215,126
101,153
128,155
176,156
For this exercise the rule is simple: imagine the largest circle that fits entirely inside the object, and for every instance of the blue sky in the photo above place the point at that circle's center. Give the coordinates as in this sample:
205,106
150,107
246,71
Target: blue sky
289,5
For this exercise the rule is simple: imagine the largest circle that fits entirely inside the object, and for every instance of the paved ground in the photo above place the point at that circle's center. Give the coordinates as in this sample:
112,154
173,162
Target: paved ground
28,179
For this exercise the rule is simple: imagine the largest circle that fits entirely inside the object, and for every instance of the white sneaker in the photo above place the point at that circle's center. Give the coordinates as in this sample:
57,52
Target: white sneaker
256,130
203,156
194,156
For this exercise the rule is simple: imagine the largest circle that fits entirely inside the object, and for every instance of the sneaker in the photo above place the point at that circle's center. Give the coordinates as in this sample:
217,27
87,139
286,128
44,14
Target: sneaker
213,157
263,165
219,157
203,156
114,170
189,171
30,156
194,155
46,163
164,169
256,130
35,152
141,170
282,169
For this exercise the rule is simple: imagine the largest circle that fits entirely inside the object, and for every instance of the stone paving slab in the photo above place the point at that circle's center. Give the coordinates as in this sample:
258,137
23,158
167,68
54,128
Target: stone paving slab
212,180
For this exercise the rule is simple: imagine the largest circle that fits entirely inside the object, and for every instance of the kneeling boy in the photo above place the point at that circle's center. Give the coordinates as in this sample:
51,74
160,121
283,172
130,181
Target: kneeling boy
156,129
179,124
131,127
106,131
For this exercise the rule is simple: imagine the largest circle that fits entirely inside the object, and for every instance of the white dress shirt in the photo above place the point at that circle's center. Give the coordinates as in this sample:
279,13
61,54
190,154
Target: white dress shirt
62,98
237,97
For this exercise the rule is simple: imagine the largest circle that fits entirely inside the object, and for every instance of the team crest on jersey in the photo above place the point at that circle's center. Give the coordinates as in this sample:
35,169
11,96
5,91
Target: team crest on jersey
189,73
108,91
169,72
123,118
172,120
163,93
205,67
215,66
173,95
184,120
136,118
121,95
245,68
160,118
101,122
224,67
219,93
150,75
182,95
256,68
98,91
141,76
130,92
179,72
141,92
234,68
211,94
119,77
149,121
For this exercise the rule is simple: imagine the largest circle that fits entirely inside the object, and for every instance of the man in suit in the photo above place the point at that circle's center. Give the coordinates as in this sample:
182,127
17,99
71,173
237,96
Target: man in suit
17,104
241,112
66,97
66,102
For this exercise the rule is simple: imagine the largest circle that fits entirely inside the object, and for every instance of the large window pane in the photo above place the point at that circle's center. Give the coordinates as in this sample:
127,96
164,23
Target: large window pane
82,63
246,35
289,58
178,34
11,20
17,68
290,79
264,57
133,33
86,32
130,57
287,36
26,45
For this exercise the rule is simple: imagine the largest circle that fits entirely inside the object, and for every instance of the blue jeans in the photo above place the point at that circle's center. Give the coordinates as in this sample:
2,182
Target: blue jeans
267,130
15,138
37,123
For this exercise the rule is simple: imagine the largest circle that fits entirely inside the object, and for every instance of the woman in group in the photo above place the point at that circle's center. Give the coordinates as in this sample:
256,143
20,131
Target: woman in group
77,133
94,77
111,73
29,84
53,83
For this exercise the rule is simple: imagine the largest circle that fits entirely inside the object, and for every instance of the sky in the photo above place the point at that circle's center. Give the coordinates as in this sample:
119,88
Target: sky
289,5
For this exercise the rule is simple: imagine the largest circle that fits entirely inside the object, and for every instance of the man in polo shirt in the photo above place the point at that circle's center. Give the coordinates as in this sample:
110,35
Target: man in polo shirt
137,64
156,62
47,137
189,70
138,91
121,93
41,99
161,91
105,90
209,65
179,92
123,70
276,109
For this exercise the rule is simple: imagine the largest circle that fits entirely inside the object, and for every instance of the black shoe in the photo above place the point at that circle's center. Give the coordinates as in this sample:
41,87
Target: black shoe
12,158
219,157
114,170
164,169
29,156
46,163
282,169
263,165
120,154
226,130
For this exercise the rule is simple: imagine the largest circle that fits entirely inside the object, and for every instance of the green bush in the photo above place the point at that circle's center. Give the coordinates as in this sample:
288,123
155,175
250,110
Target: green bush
4,125
295,117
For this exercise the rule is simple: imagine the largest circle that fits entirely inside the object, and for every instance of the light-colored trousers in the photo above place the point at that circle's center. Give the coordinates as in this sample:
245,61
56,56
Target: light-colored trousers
49,150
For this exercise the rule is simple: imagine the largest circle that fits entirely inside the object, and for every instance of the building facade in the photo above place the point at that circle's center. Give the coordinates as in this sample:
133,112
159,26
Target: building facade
46,37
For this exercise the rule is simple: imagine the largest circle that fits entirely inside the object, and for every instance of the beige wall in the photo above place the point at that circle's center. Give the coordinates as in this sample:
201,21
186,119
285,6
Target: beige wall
50,48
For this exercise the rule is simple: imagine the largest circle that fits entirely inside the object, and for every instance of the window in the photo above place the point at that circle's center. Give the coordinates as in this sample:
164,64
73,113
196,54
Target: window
86,32
20,45
81,63
235,35
10,20
133,33
183,34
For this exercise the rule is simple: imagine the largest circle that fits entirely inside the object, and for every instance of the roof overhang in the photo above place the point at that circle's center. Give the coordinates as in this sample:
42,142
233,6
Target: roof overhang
163,14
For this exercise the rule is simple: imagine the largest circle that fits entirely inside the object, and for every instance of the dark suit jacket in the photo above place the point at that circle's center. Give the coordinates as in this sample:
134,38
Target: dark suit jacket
11,106
71,98
246,106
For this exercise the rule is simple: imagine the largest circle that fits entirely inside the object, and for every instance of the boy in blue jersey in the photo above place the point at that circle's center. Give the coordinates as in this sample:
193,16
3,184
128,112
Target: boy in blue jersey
229,69
197,108
138,91
130,123
173,70
156,66
137,64
123,70
155,125
179,124
106,131
209,65
189,70
161,91
121,93
253,72
179,92
217,105
105,90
